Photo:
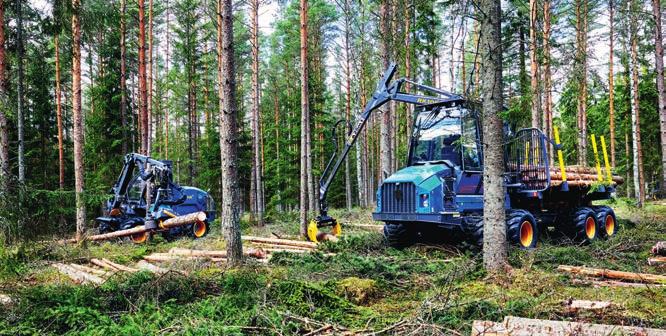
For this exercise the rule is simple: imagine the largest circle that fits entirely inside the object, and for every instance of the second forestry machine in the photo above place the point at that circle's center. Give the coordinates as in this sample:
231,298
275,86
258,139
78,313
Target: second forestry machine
441,186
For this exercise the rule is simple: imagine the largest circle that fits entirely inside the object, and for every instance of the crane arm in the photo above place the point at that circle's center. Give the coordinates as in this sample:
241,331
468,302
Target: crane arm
385,92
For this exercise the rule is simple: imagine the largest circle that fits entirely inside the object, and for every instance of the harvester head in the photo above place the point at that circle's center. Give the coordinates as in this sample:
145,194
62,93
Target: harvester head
315,235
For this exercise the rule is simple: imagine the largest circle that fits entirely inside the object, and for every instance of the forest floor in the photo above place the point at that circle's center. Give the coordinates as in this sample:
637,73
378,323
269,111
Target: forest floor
364,287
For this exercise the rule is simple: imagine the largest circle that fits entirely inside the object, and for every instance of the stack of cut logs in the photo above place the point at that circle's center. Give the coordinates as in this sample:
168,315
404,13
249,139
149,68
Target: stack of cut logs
578,176
659,251
272,245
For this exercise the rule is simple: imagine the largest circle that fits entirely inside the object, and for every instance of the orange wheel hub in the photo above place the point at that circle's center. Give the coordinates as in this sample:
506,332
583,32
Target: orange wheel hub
140,238
199,229
526,234
610,225
590,228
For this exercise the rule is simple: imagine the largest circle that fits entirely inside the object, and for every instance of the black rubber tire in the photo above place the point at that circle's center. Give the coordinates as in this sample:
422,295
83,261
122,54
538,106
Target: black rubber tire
473,229
518,231
602,212
399,235
577,225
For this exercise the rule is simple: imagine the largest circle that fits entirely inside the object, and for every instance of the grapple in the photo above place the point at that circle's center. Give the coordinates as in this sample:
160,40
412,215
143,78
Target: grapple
323,221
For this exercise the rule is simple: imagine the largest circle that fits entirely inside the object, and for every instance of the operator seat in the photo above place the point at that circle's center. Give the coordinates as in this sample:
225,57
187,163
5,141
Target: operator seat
450,150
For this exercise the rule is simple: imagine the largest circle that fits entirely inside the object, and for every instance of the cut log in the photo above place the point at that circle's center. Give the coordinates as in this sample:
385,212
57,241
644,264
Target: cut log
611,274
166,257
120,267
146,266
518,326
251,252
273,250
184,220
574,305
322,236
95,271
659,248
657,261
291,247
76,275
612,283
103,264
280,241
5,300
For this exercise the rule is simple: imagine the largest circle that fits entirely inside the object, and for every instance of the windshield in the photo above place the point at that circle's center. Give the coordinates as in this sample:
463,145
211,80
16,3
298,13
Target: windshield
448,134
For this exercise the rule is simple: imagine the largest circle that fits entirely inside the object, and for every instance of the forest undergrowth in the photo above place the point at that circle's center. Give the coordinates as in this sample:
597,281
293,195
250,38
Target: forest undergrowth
357,284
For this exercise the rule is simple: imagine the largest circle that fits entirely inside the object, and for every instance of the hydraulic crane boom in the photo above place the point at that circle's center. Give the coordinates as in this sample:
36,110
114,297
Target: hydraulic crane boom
385,92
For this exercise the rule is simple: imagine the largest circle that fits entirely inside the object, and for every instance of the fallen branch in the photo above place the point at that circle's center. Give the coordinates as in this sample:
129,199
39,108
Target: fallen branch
606,273
659,248
656,261
612,283
319,330
76,275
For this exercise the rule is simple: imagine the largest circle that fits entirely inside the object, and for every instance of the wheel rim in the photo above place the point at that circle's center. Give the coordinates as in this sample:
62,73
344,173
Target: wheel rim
610,225
526,234
140,238
199,229
590,227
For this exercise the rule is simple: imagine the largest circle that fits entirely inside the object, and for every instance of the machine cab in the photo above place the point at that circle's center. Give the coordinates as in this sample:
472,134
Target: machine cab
447,135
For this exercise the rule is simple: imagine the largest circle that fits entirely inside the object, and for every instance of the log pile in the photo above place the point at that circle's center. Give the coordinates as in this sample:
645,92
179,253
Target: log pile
612,274
578,176
273,245
519,326
101,269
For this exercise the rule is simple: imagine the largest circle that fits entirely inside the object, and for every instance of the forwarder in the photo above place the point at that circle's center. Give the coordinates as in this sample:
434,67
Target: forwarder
441,186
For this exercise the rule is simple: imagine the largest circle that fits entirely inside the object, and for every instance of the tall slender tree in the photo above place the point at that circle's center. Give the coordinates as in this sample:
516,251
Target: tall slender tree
19,93
611,82
228,132
143,90
547,75
61,151
305,120
123,74
494,226
149,77
385,134
580,71
534,66
4,131
639,185
256,148
661,90
77,116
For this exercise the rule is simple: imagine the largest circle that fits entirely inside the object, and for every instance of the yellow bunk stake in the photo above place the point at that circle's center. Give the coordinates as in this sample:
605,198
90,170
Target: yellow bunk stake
596,157
556,132
608,169
527,153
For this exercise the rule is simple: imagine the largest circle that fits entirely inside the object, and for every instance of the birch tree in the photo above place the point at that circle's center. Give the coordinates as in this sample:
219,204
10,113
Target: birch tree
639,184
78,121
256,135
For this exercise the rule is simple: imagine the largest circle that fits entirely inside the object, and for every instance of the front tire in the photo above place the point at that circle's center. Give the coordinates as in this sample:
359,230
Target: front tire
582,226
199,229
399,235
522,229
606,221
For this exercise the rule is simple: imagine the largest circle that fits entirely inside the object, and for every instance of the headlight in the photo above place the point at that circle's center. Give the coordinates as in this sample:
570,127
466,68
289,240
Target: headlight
423,201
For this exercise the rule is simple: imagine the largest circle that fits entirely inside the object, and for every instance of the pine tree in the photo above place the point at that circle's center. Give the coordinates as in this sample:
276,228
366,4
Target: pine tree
4,106
661,90
306,159
228,132
494,226
256,148
79,169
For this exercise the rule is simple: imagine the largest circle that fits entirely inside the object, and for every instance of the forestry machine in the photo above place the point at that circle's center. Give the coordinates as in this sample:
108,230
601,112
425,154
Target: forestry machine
440,191
145,194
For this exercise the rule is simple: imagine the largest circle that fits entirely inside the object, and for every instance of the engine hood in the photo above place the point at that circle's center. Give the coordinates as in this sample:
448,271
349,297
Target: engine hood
418,174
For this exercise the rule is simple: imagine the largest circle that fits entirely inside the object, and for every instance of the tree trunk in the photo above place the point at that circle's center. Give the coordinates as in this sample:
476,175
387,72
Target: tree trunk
257,164
639,189
19,93
534,67
305,118
149,78
494,227
348,56
167,86
611,82
78,121
4,131
547,77
143,91
123,74
61,154
659,58
385,125
581,73
228,133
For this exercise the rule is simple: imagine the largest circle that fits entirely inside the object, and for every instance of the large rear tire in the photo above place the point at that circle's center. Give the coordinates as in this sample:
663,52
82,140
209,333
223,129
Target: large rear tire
606,221
399,235
582,225
522,229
